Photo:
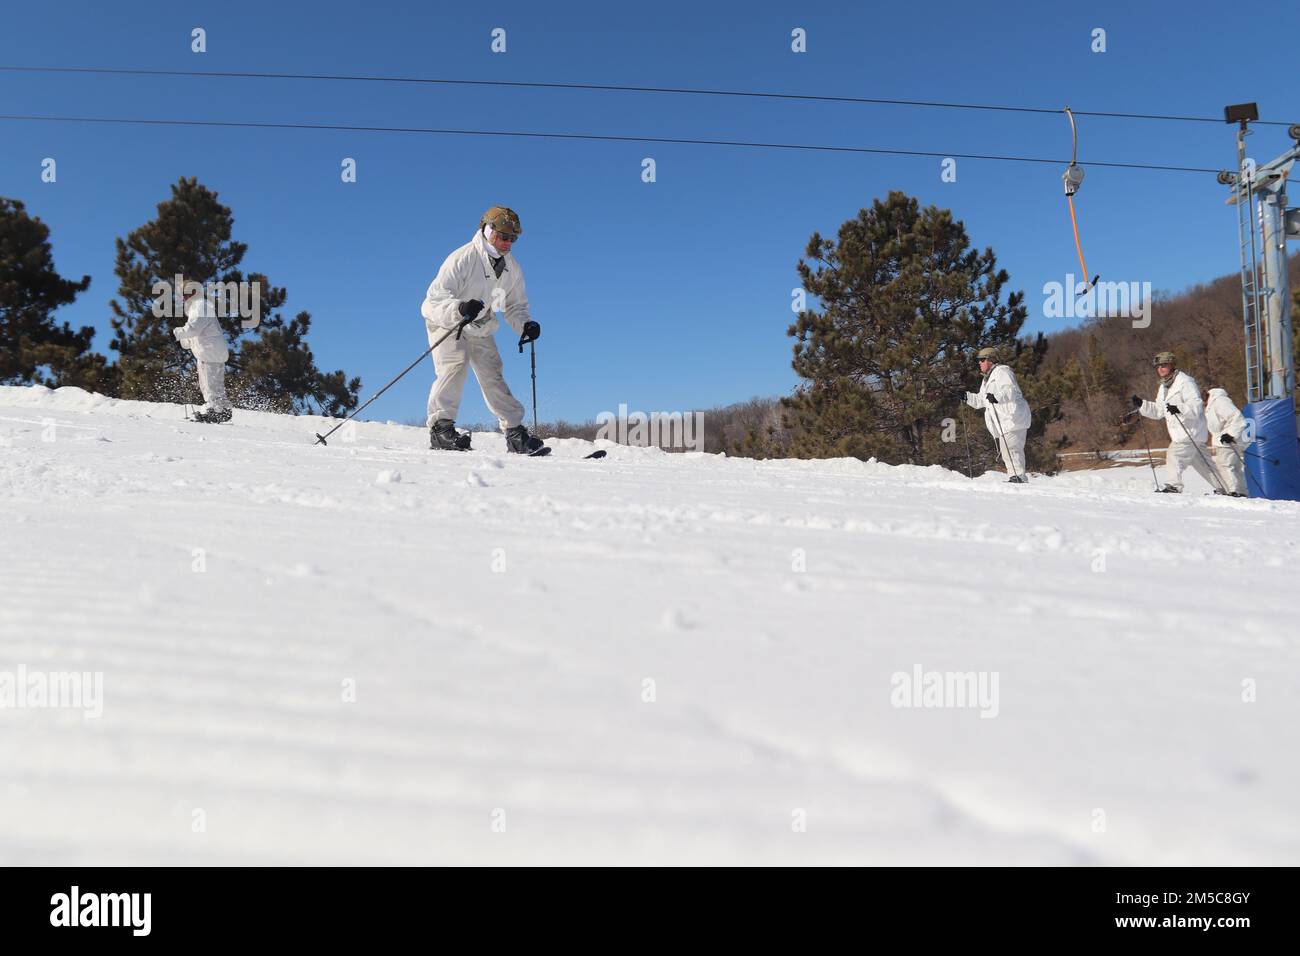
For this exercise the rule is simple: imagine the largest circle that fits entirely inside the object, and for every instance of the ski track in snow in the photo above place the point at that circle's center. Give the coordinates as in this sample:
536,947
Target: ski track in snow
1121,624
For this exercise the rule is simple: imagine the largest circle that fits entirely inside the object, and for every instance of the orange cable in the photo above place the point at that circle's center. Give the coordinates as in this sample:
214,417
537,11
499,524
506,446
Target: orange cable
1077,245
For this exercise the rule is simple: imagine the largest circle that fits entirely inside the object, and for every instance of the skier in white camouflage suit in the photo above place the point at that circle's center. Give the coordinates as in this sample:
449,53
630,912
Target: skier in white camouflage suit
1178,402
1006,413
477,279
1227,427
202,335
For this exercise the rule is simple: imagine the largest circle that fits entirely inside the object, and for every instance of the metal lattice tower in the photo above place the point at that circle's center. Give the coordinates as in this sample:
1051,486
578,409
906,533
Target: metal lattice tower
1244,200
1263,226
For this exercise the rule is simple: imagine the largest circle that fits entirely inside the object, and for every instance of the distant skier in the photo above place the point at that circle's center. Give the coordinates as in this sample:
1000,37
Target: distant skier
1178,402
202,335
474,281
1006,413
1227,429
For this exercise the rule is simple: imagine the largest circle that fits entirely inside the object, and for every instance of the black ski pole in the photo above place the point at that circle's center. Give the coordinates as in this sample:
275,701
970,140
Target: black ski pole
1255,454
1146,441
1213,473
1242,461
970,467
532,347
320,439
532,357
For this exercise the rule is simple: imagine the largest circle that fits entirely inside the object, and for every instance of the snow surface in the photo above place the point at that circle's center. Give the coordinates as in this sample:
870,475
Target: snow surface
498,618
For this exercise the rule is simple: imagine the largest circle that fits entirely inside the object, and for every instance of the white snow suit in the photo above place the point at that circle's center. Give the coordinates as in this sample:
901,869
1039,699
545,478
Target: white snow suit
1222,417
474,271
202,335
1187,432
1008,419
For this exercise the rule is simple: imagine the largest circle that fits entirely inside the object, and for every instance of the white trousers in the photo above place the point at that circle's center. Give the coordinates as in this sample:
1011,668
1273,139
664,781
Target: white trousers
1230,465
212,383
1013,450
1182,455
452,361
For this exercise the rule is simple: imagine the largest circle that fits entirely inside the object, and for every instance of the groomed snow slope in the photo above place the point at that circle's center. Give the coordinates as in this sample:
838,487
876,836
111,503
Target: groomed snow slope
499,618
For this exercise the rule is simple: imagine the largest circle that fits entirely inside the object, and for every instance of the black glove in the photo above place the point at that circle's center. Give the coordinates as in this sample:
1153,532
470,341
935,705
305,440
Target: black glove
991,398
961,394
1227,440
1173,409
1137,402
532,332
470,309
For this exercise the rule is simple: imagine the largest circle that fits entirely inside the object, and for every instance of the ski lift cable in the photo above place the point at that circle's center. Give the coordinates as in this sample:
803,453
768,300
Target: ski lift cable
591,137
615,88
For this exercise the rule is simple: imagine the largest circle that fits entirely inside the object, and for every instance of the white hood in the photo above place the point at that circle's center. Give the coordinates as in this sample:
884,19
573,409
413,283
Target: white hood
1222,417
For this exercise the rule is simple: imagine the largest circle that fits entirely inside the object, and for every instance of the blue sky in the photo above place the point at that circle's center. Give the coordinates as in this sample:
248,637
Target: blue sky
663,296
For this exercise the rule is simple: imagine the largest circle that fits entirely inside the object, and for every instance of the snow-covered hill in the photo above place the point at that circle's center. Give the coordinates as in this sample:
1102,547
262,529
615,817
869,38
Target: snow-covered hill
650,658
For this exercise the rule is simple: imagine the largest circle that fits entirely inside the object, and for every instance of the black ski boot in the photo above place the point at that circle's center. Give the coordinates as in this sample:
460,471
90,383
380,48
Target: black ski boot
520,442
1016,480
1170,490
443,436
213,416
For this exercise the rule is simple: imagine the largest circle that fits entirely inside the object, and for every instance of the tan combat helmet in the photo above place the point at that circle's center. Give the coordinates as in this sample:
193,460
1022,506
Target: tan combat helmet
988,352
1164,358
503,220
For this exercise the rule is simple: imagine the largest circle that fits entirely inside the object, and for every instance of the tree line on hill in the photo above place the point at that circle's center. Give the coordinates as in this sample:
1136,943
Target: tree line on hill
1105,359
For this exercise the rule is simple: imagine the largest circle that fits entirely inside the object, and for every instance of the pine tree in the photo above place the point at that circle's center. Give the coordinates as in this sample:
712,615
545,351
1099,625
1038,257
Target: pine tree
904,305
191,236
34,349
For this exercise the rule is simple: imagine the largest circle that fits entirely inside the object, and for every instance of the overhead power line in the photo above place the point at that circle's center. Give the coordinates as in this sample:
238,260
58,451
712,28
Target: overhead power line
593,137
613,88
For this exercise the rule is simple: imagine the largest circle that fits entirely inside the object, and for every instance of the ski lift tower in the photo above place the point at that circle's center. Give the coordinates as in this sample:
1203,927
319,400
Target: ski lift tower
1263,226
